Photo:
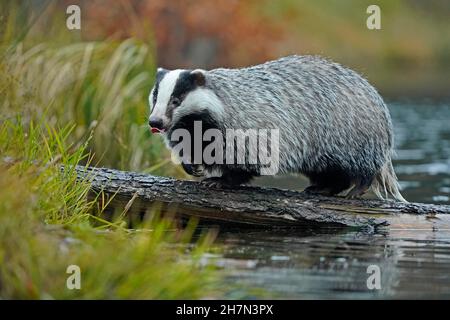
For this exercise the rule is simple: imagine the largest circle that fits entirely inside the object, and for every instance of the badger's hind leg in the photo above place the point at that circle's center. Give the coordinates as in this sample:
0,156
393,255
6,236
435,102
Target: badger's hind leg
361,186
328,183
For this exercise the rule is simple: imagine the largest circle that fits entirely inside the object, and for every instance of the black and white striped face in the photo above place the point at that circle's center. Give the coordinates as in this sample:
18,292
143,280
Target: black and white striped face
169,94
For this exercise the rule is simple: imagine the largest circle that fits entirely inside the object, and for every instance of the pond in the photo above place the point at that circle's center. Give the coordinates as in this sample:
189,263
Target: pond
337,264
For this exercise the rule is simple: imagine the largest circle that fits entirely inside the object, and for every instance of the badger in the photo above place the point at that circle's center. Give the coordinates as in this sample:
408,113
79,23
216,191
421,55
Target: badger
334,127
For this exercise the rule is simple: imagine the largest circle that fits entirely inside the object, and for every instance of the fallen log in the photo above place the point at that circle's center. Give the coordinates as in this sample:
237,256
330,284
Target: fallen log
256,206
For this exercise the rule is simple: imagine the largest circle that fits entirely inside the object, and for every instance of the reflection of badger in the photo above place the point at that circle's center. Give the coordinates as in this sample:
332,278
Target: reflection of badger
334,126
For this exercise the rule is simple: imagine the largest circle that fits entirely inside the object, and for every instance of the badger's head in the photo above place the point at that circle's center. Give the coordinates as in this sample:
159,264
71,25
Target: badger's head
179,93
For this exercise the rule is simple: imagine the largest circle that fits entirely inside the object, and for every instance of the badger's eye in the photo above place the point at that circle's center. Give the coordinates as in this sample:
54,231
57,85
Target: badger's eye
176,102
155,94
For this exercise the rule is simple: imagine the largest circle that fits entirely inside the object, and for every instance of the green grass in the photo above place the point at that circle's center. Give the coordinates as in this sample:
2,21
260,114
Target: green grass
46,225
69,103
99,86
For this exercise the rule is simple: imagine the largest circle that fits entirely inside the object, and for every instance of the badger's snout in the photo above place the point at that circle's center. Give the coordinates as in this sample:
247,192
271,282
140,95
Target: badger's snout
156,124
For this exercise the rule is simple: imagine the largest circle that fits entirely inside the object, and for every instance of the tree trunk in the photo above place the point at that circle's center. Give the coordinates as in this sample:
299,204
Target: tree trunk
137,193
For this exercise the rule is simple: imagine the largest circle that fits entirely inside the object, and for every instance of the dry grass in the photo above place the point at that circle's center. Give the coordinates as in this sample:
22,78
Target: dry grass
81,103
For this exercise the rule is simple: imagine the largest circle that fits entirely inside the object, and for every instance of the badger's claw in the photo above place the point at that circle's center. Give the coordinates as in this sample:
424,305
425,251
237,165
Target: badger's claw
357,192
215,182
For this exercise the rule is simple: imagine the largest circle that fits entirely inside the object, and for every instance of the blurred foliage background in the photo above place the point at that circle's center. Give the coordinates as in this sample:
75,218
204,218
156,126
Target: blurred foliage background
409,56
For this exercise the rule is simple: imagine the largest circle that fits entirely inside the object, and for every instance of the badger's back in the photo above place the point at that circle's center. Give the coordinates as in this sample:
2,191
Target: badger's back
326,113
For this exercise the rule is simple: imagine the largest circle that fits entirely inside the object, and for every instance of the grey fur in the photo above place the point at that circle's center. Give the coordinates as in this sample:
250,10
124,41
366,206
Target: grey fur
328,115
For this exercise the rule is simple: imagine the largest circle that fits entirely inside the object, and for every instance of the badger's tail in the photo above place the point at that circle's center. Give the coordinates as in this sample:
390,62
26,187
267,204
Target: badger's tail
386,183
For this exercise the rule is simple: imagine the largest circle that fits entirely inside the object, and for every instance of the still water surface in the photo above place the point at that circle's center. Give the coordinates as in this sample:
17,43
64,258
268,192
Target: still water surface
334,263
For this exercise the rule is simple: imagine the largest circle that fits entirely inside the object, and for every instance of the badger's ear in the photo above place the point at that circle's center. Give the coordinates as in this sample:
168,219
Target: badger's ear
198,76
160,73
159,70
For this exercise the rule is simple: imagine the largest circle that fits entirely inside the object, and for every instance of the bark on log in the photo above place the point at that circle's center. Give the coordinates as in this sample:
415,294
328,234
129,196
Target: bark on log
251,205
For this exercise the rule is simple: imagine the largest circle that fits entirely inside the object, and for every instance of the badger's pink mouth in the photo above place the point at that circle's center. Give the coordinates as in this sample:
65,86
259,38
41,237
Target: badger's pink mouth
156,130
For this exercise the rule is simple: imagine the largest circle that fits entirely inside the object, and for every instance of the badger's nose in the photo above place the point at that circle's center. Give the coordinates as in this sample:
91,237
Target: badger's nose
156,124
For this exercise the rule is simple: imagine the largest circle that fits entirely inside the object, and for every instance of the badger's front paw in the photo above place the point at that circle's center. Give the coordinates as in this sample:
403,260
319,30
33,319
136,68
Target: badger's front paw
215,182
196,170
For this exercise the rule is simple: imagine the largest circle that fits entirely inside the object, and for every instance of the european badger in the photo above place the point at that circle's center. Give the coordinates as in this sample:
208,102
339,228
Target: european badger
333,125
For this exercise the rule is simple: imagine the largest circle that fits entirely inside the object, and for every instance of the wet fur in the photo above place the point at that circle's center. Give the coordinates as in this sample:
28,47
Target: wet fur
334,126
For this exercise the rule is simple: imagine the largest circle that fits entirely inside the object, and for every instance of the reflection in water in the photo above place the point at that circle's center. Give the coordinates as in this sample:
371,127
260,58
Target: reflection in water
297,265
332,263
422,134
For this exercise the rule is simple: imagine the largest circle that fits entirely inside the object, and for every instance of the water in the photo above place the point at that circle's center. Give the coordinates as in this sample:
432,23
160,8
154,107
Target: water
422,134
334,263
